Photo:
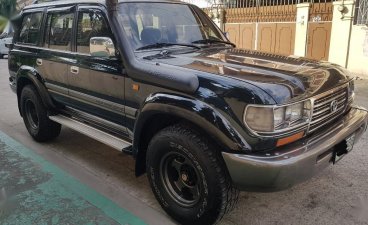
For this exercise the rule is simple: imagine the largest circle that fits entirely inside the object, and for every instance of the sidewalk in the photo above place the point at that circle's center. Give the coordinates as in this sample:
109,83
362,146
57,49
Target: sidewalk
34,191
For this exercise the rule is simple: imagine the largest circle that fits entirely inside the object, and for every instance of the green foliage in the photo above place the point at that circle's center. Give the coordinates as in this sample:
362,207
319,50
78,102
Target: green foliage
8,8
3,22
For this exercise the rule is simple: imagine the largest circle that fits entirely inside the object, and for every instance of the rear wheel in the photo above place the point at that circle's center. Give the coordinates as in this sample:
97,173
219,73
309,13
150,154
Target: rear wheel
188,176
39,126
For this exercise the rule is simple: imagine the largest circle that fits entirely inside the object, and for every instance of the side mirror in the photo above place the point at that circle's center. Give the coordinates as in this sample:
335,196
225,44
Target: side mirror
102,47
227,35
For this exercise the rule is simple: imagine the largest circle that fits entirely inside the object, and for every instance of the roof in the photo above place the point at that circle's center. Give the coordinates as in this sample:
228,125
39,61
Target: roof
102,2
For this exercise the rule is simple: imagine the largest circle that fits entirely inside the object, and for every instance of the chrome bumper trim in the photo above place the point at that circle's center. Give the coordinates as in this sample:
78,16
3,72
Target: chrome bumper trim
296,162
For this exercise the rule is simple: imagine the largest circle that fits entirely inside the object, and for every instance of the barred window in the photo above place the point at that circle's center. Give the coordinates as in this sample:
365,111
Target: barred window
361,13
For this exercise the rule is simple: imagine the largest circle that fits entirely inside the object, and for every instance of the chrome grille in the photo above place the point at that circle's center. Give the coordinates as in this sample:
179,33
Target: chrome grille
322,113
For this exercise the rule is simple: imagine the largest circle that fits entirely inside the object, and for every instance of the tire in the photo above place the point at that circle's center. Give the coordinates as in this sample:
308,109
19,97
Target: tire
39,126
188,176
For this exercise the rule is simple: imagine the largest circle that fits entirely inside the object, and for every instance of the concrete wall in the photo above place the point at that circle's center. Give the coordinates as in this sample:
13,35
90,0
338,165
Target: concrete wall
349,43
340,33
301,29
358,54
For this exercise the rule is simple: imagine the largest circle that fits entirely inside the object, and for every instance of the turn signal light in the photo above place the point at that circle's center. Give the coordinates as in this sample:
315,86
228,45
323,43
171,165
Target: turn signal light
290,139
135,87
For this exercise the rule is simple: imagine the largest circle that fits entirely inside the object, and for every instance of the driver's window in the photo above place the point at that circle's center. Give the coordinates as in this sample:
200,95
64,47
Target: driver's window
91,24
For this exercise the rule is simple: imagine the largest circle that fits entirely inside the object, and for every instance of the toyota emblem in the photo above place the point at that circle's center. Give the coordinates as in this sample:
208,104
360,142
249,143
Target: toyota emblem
333,106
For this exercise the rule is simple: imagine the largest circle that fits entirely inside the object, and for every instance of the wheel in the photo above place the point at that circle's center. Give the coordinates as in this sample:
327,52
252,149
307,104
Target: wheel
39,126
1,56
188,176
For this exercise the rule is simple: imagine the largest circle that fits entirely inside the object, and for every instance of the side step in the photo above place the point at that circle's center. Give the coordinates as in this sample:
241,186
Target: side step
92,132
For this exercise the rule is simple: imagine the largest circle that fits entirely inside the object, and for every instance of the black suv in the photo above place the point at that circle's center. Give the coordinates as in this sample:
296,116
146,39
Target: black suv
158,80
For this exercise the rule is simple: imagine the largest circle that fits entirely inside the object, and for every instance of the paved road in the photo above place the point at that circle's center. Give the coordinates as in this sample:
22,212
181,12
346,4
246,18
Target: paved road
34,191
339,195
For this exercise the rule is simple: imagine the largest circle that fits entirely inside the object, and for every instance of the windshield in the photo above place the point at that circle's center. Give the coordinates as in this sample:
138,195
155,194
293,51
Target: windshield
151,23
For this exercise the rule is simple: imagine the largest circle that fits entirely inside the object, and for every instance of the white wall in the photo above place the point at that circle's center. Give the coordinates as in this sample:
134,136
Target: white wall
199,3
350,51
358,53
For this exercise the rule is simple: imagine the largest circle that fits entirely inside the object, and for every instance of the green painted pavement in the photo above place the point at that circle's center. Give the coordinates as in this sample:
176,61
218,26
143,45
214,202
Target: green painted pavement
34,191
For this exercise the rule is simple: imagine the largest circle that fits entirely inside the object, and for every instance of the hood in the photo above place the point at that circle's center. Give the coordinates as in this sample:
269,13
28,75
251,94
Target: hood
285,79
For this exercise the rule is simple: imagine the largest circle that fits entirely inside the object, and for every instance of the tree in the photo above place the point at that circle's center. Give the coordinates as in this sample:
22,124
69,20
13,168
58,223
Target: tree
8,8
3,22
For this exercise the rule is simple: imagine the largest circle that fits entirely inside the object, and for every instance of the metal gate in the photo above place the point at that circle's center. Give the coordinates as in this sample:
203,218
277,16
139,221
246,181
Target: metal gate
269,25
265,25
319,30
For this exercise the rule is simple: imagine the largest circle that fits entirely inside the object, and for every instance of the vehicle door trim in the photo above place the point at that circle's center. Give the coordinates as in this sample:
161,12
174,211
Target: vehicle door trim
130,112
56,88
99,102
86,98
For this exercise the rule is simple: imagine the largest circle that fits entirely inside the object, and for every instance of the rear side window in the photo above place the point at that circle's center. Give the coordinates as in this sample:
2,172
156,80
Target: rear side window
90,24
30,31
59,31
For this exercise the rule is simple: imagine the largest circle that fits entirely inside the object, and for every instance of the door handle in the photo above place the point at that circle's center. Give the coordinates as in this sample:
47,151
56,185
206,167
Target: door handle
39,62
74,69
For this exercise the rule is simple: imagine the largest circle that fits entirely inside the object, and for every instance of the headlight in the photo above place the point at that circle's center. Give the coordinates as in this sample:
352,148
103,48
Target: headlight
260,118
277,118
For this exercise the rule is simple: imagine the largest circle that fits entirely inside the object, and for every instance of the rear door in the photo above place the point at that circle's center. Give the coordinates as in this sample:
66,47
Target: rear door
27,41
96,83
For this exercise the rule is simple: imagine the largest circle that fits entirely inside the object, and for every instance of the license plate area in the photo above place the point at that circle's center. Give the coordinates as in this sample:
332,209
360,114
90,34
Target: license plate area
343,148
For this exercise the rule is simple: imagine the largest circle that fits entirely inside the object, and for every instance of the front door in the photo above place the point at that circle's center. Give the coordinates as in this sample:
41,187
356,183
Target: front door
96,84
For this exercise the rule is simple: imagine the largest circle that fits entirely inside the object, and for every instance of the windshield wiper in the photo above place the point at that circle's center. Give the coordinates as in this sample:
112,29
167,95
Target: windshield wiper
163,44
210,41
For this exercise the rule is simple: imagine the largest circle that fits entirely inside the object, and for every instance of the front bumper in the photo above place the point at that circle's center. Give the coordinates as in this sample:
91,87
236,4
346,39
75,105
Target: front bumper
296,162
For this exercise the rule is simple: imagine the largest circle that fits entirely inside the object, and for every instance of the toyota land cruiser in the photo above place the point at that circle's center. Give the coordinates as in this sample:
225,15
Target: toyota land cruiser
158,80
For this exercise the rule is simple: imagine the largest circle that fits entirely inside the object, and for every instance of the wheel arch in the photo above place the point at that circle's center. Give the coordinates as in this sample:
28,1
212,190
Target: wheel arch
162,110
29,76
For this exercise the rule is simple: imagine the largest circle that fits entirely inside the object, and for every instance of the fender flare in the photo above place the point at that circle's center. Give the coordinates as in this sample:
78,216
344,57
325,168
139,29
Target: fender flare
194,111
31,74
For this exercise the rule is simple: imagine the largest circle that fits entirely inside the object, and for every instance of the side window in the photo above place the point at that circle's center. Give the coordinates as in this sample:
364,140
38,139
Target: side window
30,31
59,31
90,24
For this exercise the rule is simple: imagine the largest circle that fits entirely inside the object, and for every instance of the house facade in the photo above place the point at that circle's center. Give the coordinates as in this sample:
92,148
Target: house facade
330,30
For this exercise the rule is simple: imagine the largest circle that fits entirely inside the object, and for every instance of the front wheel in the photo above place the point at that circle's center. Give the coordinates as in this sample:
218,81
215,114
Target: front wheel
188,176
34,113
